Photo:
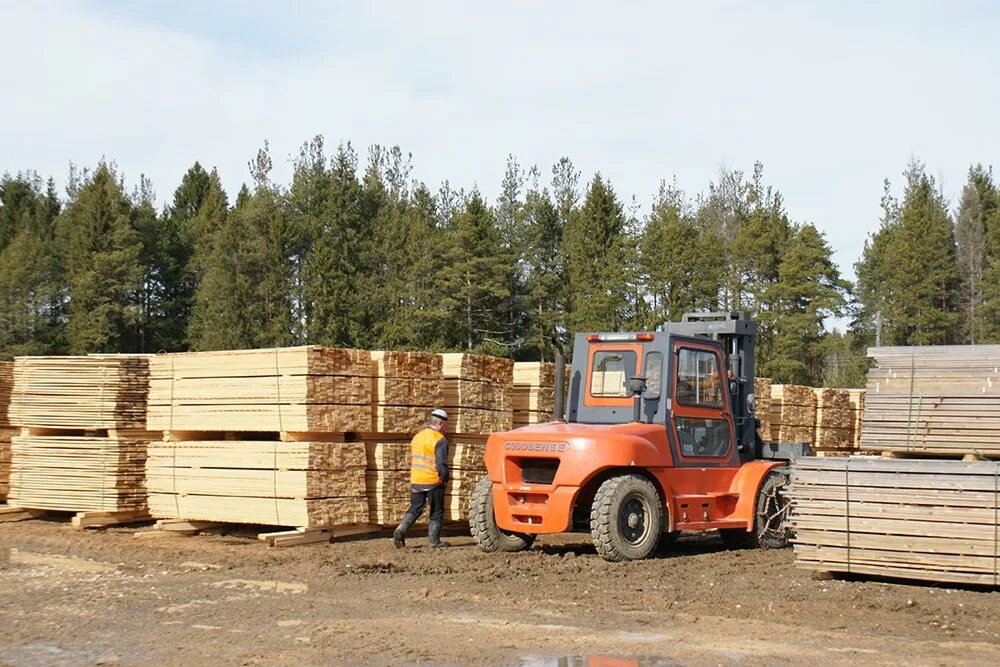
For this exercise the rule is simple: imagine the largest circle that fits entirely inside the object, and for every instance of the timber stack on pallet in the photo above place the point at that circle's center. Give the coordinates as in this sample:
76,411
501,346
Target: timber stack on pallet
258,436
534,391
6,433
406,386
856,397
82,445
793,413
933,401
916,519
833,420
477,393
762,395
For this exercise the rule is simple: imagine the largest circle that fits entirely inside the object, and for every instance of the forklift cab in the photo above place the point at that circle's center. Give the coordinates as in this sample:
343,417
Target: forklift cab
698,385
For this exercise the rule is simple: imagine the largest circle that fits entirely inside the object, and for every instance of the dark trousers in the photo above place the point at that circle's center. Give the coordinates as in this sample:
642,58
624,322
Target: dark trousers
419,498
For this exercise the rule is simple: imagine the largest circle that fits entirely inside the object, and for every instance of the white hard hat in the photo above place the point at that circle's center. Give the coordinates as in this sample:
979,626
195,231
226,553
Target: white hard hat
440,414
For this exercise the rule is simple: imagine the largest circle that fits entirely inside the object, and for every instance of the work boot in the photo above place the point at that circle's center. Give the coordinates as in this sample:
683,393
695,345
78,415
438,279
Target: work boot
399,535
434,535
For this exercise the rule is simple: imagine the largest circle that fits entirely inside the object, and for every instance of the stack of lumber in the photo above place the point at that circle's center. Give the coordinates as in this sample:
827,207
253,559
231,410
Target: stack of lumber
941,401
406,386
833,420
793,413
477,393
856,397
81,448
5,436
6,387
297,389
388,478
92,393
304,484
915,519
762,395
534,391
78,473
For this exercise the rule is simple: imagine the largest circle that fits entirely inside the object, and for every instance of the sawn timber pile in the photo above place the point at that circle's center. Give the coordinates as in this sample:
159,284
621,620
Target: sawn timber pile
406,386
477,393
942,400
302,484
6,387
295,389
82,447
534,391
916,519
762,396
793,413
833,420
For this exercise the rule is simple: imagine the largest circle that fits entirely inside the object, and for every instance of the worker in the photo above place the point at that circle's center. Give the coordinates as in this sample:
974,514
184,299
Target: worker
428,475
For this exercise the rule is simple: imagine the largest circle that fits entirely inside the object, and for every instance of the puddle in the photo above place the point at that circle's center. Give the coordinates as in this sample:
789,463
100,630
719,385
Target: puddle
68,563
259,585
596,661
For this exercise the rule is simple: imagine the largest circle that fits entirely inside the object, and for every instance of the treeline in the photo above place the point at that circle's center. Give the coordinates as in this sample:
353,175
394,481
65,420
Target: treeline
364,255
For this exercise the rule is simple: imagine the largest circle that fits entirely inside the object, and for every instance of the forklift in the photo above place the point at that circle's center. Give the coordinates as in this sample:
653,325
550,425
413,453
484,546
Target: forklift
659,437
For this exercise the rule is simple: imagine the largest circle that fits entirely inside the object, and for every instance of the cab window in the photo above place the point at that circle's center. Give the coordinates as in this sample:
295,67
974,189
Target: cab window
699,380
702,437
653,372
610,370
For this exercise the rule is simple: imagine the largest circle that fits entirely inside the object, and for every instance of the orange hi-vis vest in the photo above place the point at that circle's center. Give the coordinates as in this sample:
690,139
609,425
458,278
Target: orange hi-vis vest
422,462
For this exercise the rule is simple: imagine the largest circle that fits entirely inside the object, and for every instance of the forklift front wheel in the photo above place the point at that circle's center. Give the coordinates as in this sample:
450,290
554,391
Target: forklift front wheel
626,518
483,524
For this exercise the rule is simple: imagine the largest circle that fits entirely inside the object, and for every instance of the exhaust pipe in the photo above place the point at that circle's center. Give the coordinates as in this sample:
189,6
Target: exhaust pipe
558,411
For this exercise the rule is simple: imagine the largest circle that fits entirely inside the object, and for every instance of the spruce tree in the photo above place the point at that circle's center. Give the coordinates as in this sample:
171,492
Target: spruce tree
970,236
596,263
103,263
989,203
669,247
545,282
510,216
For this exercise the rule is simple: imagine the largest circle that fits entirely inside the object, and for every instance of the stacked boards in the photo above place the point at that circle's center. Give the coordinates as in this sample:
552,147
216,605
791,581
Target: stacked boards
534,392
856,399
303,484
6,433
406,386
477,393
258,436
762,397
939,401
793,413
833,420
296,389
915,519
81,447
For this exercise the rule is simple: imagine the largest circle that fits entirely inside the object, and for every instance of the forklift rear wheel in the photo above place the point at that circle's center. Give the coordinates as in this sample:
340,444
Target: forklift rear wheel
483,524
626,518
770,526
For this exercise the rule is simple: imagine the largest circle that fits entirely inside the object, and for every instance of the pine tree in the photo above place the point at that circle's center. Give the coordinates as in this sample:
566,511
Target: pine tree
32,293
970,235
596,264
104,270
244,299
545,282
473,282
808,290
989,202
669,247
510,216
873,288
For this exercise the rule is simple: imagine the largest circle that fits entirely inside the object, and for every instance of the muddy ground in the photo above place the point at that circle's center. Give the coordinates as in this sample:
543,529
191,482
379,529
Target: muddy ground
72,597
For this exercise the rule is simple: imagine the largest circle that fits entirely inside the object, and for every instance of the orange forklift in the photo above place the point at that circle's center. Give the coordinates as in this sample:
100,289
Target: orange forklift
660,437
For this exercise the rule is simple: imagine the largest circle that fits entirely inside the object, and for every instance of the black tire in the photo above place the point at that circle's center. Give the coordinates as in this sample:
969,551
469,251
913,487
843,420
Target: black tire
626,519
770,525
483,524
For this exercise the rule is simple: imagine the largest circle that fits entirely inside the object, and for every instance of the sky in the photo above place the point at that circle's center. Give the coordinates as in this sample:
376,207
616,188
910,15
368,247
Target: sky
832,98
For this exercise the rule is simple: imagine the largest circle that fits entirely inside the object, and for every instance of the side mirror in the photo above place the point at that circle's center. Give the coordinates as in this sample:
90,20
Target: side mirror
636,385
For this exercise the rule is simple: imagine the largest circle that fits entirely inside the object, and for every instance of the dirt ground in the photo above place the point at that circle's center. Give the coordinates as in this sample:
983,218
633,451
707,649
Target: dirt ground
102,597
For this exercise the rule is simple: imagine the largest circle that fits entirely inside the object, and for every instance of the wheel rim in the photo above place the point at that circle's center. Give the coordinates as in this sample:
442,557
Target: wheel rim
633,519
773,512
